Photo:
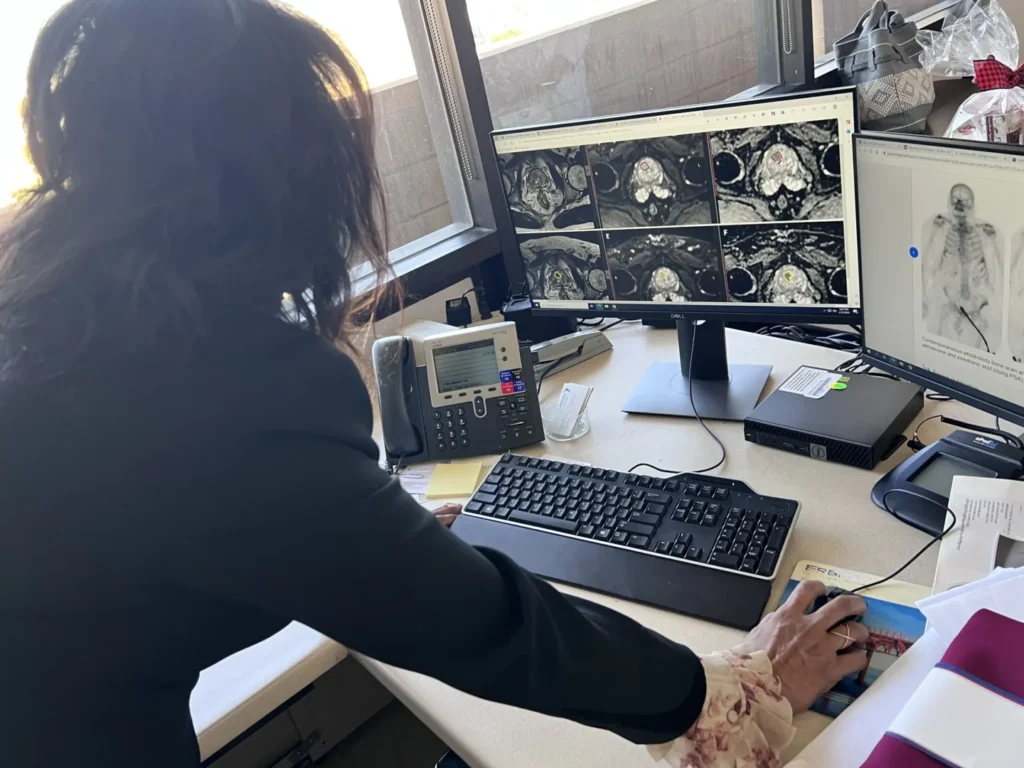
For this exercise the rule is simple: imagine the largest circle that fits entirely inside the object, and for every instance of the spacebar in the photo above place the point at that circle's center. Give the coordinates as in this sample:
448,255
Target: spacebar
542,521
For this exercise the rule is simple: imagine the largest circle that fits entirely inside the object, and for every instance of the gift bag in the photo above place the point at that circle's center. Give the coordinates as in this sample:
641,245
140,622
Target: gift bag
881,57
974,31
997,113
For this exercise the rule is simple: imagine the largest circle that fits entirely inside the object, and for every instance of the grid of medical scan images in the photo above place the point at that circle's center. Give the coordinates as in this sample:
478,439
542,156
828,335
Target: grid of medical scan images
747,215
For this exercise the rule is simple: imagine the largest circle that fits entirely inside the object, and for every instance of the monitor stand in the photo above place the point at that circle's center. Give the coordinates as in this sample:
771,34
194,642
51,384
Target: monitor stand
720,391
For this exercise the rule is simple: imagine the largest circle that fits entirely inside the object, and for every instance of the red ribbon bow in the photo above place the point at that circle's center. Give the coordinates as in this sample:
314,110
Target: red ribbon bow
991,74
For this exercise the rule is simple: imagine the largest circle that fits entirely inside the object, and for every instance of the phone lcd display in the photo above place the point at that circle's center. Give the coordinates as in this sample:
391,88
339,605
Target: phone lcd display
937,475
466,366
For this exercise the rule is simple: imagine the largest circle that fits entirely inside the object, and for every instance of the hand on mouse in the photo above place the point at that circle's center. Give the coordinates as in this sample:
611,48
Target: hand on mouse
447,513
805,656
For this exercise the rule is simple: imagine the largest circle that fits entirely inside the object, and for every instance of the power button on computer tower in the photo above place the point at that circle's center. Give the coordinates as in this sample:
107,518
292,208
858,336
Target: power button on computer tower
819,452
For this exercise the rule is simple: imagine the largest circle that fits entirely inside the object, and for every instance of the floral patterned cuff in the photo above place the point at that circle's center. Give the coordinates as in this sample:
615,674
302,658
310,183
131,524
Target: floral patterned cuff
745,723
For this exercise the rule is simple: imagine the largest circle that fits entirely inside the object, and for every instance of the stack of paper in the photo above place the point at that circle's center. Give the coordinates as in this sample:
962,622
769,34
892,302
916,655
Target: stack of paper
849,741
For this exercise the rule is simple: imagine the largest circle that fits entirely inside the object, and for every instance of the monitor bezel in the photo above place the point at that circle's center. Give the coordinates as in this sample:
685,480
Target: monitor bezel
943,385
741,312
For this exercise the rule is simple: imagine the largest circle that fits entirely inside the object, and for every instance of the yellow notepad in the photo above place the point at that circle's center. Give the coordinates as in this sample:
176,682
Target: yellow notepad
450,480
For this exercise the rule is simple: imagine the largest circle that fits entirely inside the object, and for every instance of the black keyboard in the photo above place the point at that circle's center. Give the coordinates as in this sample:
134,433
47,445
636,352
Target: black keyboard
712,523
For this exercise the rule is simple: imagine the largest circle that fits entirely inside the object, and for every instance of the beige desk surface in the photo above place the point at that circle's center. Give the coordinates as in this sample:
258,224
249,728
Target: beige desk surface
838,525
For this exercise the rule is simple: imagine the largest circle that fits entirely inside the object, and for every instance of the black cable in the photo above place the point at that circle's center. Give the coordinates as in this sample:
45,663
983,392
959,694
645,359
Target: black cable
612,325
924,549
969,320
549,369
707,429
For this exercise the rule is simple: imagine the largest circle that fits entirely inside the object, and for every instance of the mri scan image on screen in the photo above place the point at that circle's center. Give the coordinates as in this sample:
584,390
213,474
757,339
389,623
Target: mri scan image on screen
548,189
653,182
667,265
565,267
962,274
786,263
778,173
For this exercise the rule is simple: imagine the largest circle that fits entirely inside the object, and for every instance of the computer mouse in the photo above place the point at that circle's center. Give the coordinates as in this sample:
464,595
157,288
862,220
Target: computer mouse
828,597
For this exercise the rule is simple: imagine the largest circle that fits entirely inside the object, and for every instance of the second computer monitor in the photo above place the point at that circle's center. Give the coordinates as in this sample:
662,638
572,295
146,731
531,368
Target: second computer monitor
741,211
942,227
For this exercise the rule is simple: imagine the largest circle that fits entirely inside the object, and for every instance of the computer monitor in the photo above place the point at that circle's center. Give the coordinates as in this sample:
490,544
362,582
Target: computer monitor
739,211
942,255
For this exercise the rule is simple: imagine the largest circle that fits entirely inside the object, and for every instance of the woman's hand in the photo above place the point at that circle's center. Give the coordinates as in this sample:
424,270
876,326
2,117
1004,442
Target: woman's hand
447,513
805,656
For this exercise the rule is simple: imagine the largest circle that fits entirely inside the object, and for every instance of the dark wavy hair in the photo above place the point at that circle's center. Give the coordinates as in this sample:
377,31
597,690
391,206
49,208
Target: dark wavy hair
190,152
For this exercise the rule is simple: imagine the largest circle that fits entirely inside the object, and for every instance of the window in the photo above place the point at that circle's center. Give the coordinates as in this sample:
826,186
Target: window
549,60
834,19
424,193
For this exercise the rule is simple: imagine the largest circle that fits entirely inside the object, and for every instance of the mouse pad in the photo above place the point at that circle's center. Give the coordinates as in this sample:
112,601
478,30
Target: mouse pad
893,621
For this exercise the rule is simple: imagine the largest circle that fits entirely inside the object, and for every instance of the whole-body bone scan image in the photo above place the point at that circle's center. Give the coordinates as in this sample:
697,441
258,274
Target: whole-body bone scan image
548,189
565,267
1015,334
778,173
670,265
786,263
962,273
653,182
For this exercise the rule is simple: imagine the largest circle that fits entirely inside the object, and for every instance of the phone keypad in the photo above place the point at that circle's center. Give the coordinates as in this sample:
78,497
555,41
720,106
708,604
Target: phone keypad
514,421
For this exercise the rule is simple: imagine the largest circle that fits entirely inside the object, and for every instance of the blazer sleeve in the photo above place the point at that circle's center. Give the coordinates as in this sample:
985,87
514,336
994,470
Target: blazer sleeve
313,530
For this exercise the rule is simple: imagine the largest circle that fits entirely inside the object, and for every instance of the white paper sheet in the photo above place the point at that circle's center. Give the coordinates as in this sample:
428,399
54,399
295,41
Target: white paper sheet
985,509
1001,592
811,382
849,741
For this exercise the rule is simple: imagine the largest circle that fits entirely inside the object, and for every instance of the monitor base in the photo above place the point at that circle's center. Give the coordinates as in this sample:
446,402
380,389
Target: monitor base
664,391
720,391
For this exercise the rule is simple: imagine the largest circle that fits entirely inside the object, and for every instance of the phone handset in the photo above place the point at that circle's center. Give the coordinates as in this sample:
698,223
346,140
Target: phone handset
394,366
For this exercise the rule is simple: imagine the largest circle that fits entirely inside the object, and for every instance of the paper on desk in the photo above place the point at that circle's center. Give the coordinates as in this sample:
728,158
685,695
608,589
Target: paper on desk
985,509
416,479
849,741
456,479
810,382
1001,592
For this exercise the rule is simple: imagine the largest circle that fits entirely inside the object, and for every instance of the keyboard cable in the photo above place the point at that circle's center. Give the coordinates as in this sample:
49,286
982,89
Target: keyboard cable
693,405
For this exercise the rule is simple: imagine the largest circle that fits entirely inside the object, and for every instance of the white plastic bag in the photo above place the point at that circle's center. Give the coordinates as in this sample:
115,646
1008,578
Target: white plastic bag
981,30
997,113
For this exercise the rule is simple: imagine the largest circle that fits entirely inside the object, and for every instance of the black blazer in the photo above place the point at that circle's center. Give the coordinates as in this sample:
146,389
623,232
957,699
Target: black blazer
161,512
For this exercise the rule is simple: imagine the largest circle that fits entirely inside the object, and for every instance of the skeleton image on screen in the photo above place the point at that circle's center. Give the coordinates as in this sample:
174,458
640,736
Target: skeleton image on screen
1016,330
565,267
780,173
548,189
786,263
667,265
962,275
653,182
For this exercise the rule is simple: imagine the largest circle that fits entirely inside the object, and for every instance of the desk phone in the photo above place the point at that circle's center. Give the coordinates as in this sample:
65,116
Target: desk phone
455,394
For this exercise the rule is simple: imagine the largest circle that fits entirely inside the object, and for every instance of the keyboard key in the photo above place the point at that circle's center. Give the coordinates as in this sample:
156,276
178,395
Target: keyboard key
572,514
777,537
749,565
610,475
639,506
536,507
742,538
544,464
637,528
709,520
684,504
747,526
639,542
722,545
560,512
693,489
489,510
725,561
503,513
771,557
656,509
556,466
672,485
663,548
522,516
484,497
653,520
738,549
631,479
707,491
610,509
659,498
489,488
639,494
474,506
604,534
695,553
700,506
506,459
679,550
694,516
686,539
620,537
715,509
658,484
624,514
587,531
755,551
574,469
760,539
721,494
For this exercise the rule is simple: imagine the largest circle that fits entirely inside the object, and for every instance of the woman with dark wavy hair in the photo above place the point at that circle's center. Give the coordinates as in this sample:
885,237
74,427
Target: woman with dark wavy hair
186,469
